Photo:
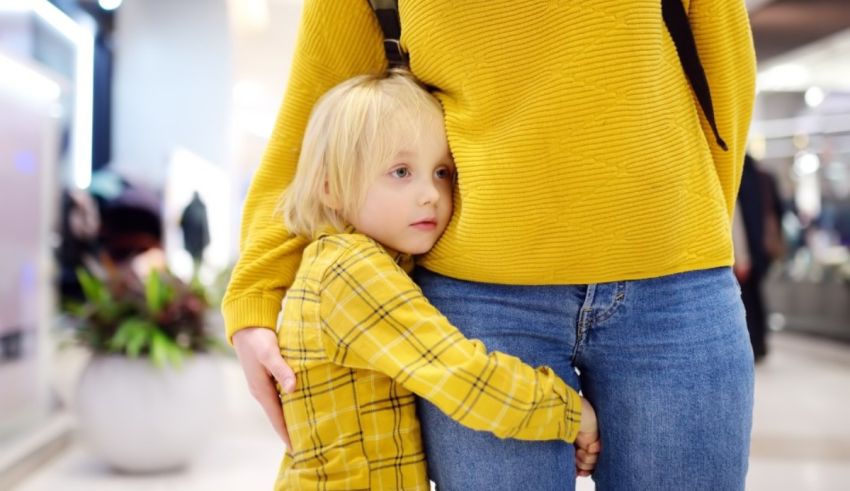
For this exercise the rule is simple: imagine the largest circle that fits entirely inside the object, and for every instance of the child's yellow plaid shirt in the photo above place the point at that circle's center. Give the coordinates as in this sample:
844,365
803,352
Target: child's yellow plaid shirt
362,340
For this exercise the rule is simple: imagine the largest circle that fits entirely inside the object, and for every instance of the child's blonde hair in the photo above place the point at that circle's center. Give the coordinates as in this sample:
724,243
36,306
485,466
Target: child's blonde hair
354,130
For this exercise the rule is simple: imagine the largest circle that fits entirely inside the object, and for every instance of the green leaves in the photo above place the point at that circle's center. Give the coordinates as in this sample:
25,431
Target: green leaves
132,335
93,289
137,336
157,292
159,317
165,350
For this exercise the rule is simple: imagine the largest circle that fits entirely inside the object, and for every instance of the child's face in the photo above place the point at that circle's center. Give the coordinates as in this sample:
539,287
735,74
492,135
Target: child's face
409,203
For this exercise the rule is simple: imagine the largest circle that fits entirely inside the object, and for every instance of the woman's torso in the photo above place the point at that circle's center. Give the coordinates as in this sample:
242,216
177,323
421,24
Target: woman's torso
579,148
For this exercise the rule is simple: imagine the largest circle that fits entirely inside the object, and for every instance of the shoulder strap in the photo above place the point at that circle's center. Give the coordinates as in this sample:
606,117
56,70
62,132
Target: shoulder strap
387,13
677,23
675,18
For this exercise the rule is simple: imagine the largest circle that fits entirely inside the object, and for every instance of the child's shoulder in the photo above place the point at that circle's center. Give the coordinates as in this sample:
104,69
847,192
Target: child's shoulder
346,243
330,249
348,250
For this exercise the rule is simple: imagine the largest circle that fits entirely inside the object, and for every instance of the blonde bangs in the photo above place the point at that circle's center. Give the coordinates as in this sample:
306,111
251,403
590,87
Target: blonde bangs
352,135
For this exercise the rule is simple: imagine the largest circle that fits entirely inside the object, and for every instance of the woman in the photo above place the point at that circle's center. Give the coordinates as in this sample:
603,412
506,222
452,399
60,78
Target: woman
592,216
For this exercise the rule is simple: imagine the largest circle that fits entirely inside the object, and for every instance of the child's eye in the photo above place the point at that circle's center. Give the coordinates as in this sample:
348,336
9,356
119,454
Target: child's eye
444,173
400,172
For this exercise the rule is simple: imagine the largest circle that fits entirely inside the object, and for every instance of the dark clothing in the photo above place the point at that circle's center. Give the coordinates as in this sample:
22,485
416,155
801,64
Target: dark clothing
761,210
193,222
753,298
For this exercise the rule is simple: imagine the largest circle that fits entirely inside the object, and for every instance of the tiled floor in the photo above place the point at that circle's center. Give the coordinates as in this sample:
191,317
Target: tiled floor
801,432
801,435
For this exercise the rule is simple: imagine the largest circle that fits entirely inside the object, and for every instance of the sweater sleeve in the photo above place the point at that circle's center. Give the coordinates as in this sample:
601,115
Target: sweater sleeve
337,39
725,45
374,317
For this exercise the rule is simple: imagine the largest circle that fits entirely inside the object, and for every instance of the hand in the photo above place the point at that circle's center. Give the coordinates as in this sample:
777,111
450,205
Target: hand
742,271
259,355
587,442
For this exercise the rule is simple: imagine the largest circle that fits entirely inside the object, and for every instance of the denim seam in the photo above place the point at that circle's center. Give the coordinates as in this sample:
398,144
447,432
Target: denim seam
585,320
619,298
583,326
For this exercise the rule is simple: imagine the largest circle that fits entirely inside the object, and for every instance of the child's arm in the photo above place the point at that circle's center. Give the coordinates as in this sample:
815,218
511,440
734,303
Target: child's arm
375,317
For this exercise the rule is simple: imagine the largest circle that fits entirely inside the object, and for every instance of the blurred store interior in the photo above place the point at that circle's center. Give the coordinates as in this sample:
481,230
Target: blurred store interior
129,131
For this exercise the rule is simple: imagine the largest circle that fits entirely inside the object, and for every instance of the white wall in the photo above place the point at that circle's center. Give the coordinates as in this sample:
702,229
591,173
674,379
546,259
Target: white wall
261,67
172,85
189,75
261,63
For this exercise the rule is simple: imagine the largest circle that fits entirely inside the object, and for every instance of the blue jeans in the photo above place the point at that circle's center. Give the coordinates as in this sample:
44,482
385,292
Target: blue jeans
666,363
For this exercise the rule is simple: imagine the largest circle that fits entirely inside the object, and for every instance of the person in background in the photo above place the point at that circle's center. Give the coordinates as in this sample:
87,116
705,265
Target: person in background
592,219
758,241
79,229
195,228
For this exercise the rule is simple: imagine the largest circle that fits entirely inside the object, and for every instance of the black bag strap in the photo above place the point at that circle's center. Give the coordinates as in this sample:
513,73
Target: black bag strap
675,18
677,23
387,13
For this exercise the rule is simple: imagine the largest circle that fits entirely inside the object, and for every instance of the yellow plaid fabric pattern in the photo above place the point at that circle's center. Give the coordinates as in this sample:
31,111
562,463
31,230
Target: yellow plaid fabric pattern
363,340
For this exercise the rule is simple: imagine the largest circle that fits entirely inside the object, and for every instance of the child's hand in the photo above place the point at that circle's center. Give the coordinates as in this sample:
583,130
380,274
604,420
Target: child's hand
587,442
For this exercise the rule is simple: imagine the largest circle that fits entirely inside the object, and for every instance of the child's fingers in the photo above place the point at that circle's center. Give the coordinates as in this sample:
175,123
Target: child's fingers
583,472
583,439
593,447
586,460
588,441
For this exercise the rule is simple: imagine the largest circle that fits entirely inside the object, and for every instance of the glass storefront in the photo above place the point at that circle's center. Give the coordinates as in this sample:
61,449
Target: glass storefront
45,134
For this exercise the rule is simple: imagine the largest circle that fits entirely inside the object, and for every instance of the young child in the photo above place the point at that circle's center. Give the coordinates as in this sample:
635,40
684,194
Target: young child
374,187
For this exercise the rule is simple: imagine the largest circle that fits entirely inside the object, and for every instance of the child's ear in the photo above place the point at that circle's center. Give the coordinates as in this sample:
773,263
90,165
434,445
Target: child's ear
329,200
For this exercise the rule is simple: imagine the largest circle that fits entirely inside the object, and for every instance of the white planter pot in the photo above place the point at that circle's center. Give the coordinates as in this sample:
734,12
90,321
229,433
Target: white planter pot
141,418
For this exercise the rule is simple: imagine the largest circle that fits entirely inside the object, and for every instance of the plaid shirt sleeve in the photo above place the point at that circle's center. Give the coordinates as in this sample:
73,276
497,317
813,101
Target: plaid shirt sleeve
375,317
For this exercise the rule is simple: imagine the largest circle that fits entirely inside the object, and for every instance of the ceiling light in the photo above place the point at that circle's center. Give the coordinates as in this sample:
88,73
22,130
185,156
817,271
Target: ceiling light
814,96
806,163
249,16
109,4
786,76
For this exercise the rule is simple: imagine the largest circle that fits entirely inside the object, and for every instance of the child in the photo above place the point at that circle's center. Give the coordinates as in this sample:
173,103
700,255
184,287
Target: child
374,187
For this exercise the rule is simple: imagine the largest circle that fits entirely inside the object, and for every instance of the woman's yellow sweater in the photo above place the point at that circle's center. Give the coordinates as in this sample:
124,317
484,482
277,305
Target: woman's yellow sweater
582,156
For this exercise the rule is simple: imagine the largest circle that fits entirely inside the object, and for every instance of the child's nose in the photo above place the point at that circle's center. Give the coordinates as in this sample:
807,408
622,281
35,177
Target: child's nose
429,195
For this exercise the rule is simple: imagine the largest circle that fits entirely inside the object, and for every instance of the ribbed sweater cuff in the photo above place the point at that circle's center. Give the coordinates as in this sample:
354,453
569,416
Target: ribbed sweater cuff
249,311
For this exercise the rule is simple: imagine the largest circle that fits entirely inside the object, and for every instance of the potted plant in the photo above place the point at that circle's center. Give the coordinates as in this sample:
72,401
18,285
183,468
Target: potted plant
150,393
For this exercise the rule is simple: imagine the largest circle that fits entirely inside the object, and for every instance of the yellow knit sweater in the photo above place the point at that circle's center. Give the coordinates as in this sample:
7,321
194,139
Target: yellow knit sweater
582,156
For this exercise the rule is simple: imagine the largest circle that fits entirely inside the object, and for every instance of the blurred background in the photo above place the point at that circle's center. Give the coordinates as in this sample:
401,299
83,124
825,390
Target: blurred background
129,131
